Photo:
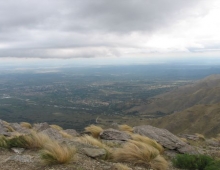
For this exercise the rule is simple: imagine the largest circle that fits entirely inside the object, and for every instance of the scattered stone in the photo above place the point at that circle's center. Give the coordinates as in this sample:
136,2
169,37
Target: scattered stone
71,132
94,153
112,134
41,126
165,138
20,158
18,150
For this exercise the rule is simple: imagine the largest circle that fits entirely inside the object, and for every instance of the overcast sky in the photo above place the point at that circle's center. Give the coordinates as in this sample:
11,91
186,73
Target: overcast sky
105,29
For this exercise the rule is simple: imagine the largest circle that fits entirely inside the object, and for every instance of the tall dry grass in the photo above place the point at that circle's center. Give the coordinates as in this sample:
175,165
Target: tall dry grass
140,153
56,127
94,130
65,135
54,153
126,128
26,125
149,141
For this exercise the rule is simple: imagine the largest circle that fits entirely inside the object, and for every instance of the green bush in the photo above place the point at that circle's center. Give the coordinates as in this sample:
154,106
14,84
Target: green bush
213,166
192,162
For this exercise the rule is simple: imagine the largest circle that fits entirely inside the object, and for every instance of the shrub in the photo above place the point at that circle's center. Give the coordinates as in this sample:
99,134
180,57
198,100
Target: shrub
213,166
126,128
54,153
192,162
94,130
140,153
148,141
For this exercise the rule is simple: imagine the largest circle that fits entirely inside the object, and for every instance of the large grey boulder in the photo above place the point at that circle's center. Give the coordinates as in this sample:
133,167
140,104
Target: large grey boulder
165,138
112,134
52,133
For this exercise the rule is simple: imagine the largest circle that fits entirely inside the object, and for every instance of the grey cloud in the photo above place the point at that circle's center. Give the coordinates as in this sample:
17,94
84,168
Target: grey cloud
31,27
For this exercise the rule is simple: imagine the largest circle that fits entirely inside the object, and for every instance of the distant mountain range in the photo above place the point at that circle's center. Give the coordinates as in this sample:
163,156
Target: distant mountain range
194,108
205,91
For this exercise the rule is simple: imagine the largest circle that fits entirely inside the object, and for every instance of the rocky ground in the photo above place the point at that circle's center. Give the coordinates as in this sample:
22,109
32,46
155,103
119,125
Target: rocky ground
89,157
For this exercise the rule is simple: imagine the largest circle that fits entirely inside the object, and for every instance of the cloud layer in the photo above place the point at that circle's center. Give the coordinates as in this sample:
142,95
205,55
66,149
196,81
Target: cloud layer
86,29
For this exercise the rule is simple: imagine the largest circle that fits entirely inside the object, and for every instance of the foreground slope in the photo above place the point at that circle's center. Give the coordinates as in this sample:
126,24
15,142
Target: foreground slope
205,91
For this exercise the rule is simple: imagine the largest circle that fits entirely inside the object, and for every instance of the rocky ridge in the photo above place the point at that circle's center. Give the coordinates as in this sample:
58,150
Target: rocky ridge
88,156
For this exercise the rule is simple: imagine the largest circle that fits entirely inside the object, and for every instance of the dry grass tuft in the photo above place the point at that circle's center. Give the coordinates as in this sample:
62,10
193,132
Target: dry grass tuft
94,130
120,166
56,127
65,135
5,123
9,128
159,163
54,153
93,141
140,153
26,125
184,140
36,140
200,136
148,141
126,128
3,142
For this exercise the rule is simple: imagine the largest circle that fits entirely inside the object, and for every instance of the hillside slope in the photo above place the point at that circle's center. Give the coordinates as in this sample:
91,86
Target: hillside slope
205,91
202,119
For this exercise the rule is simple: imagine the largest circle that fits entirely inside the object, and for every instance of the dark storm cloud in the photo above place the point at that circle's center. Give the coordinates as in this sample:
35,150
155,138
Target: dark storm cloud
29,27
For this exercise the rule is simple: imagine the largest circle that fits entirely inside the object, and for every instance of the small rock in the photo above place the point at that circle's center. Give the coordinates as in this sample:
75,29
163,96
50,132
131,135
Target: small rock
20,158
94,153
18,150
112,134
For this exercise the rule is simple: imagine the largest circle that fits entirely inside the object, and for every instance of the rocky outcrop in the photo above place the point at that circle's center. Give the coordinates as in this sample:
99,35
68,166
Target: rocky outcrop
165,138
112,134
